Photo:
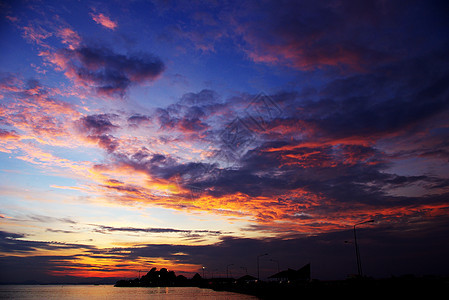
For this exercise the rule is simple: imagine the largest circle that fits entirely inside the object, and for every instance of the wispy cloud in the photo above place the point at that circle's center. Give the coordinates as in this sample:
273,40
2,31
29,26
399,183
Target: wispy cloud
69,38
108,229
103,20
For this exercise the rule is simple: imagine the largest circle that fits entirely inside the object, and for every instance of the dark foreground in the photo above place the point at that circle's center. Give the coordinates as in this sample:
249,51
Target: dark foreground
352,289
356,288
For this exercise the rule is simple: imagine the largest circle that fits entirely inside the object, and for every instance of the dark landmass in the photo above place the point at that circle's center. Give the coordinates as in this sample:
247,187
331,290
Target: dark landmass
429,288
161,278
404,286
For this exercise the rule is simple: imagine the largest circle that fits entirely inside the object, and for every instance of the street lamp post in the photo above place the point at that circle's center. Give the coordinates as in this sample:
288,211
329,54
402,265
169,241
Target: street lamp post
258,273
203,271
227,270
212,273
276,261
246,270
357,252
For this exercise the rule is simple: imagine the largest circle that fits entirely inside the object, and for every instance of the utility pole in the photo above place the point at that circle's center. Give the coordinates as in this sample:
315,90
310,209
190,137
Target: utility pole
357,252
258,272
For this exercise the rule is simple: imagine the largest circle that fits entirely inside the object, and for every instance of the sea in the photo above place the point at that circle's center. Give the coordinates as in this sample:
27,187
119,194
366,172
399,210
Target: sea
111,293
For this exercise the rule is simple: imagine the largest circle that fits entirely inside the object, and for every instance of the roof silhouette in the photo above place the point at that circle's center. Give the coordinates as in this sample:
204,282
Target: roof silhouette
247,278
291,274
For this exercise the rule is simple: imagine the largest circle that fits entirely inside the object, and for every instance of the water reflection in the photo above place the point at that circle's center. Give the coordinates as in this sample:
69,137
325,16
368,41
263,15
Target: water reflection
111,292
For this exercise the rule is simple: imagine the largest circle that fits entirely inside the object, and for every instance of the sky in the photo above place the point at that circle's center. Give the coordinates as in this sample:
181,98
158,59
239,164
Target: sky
191,134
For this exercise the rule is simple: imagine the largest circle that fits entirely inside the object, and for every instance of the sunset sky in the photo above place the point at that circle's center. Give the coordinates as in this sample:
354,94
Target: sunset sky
183,134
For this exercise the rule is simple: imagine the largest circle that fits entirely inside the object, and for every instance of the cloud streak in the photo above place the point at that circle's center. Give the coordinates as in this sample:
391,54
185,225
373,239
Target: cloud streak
104,21
109,229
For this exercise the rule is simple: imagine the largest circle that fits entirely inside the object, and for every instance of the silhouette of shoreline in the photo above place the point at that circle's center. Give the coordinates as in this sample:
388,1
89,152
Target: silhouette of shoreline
349,288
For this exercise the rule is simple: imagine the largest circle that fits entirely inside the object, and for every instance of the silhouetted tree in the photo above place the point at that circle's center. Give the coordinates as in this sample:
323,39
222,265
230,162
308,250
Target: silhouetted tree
163,277
181,278
197,277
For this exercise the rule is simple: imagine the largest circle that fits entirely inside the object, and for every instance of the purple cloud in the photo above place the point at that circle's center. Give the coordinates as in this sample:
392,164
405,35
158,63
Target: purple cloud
107,72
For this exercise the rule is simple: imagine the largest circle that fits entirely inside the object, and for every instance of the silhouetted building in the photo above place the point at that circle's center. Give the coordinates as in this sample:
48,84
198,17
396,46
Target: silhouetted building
246,279
291,275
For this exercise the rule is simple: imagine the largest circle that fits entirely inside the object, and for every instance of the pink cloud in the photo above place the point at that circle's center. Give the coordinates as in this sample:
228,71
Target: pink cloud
36,34
7,135
69,38
103,20
12,19
36,112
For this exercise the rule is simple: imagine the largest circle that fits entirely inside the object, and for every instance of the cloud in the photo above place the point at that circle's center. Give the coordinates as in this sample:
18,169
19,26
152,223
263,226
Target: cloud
123,188
353,37
69,38
103,20
99,69
310,164
318,195
329,255
48,219
369,139
4,134
36,34
97,124
109,229
137,120
15,244
160,166
386,114
50,262
59,231
325,159
97,129
190,115
105,71
330,258
36,111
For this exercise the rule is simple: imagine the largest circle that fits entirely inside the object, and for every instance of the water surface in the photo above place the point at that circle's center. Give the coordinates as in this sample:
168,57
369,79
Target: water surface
111,292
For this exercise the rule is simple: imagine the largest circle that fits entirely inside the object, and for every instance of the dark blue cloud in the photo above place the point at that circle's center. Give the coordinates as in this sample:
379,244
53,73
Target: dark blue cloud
97,124
348,35
98,128
109,229
138,120
110,73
